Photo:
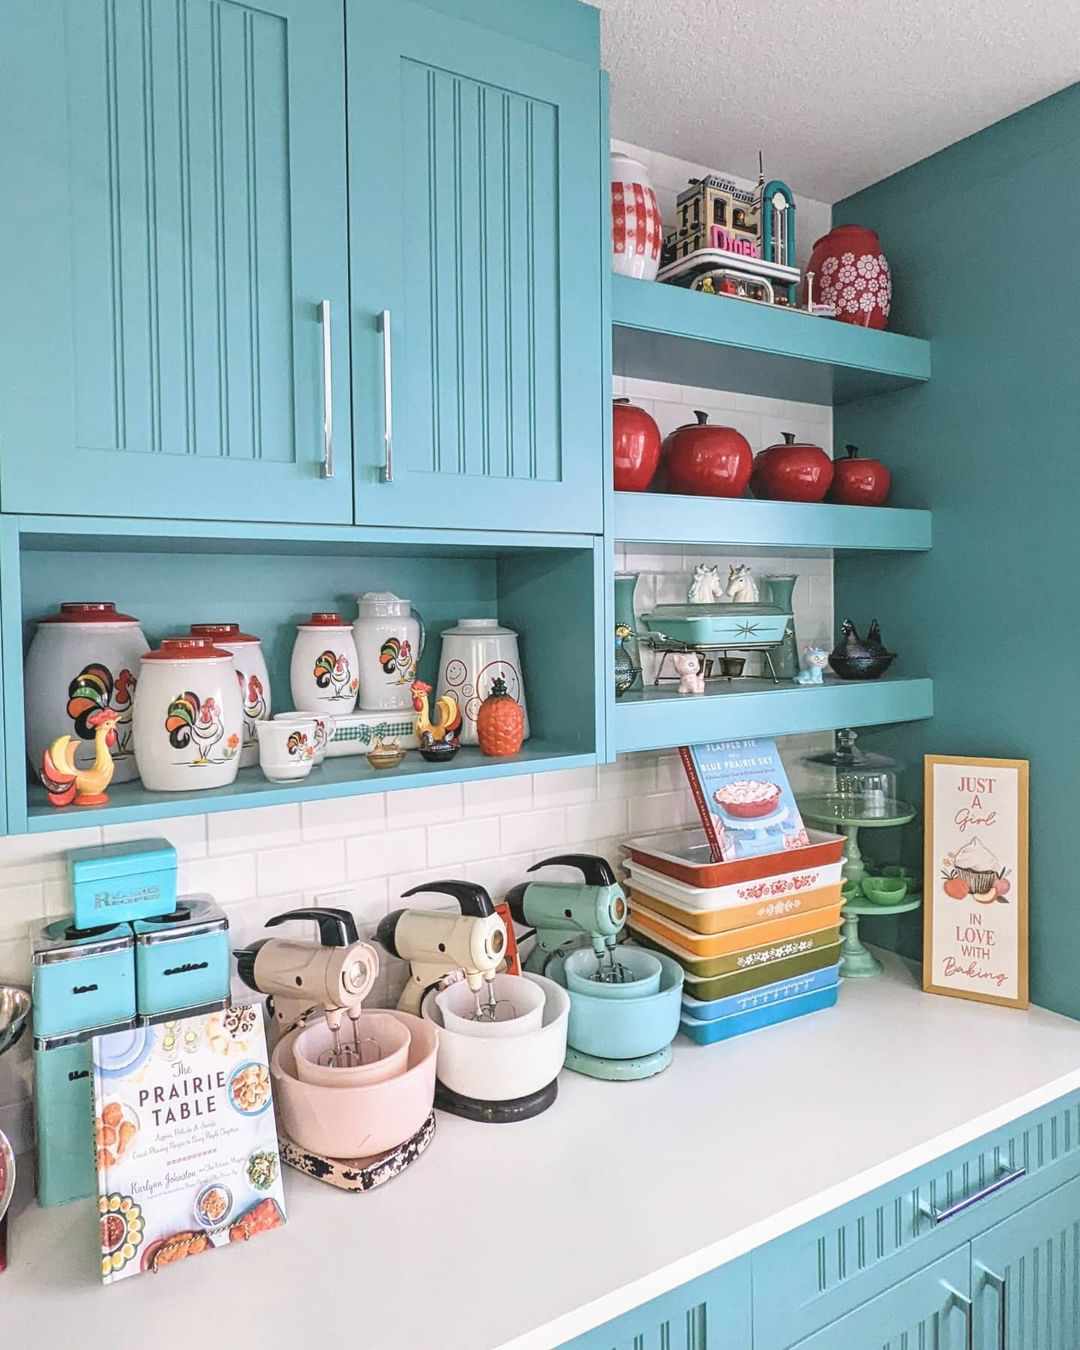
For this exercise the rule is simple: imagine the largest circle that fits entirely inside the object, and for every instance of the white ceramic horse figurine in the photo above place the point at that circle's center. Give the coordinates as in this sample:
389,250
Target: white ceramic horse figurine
705,586
741,585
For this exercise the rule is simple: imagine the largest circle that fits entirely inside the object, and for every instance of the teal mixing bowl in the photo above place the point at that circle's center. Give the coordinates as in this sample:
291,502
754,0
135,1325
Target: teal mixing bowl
628,1028
642,972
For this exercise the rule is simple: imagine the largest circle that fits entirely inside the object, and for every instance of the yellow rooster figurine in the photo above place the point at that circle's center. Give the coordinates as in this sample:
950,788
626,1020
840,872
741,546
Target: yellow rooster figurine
437,739
64,781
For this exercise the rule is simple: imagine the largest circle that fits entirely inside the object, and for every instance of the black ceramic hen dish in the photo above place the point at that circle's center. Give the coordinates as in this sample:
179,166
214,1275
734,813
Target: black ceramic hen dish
854,658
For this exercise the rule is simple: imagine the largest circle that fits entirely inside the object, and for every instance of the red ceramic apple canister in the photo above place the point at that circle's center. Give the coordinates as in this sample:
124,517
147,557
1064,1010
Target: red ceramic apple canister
851,272
792,471
707,461
636,445
859,482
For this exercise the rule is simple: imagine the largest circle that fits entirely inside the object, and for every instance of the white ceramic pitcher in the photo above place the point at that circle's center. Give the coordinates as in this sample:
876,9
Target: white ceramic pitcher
389,636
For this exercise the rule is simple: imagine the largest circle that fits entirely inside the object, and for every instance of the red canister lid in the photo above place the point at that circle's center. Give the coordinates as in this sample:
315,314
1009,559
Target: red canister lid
221,632
326,619
88,611
187,649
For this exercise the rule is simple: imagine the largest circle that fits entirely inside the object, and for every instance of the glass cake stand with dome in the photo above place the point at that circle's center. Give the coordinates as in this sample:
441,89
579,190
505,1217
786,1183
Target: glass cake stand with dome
852,790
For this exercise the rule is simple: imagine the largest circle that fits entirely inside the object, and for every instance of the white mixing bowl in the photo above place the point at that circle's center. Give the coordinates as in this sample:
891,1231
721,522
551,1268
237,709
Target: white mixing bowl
503,1069
457,1003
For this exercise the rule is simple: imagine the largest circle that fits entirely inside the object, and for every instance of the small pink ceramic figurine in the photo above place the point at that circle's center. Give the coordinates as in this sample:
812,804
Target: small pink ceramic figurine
688,664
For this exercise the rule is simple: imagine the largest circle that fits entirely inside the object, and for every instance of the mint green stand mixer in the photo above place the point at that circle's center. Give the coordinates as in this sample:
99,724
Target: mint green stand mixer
570,916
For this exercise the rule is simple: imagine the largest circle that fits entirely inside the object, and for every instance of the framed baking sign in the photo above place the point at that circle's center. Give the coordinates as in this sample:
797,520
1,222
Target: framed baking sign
975,934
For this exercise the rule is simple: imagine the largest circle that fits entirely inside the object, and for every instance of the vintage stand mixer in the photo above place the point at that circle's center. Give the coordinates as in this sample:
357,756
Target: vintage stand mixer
624,1001
354,1088
502,1037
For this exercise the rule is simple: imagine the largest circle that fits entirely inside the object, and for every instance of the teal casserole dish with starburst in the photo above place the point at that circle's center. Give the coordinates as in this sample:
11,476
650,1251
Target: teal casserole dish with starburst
718,624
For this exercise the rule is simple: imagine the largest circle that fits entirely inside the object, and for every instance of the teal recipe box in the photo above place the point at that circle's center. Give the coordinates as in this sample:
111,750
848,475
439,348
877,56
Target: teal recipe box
83,979
64,1111
118,883
182,959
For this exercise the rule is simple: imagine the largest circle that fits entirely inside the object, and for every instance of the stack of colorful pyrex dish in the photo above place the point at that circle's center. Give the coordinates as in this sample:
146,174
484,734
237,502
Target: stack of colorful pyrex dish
758,938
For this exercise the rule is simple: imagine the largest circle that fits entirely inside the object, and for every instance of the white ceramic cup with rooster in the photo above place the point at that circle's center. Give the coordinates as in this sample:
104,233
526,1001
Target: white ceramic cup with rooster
82,660
189,721
389,637
322,735
474,653
323,671
252,677
286,748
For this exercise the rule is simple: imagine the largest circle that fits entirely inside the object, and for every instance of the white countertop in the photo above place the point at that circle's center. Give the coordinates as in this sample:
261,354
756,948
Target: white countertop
523,1236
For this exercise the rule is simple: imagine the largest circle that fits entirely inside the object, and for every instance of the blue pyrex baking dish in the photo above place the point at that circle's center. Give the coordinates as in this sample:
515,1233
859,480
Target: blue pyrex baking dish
63,1094
724,1028
117,883
83,979
182,959
762,997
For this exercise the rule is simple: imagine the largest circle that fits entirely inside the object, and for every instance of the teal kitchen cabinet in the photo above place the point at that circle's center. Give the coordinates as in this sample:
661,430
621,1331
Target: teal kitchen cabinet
709,1313
931,1310
1025,1277
172,242
476,257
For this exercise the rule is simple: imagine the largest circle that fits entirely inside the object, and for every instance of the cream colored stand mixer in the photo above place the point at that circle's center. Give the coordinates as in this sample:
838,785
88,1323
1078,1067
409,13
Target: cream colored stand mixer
436,943
334,975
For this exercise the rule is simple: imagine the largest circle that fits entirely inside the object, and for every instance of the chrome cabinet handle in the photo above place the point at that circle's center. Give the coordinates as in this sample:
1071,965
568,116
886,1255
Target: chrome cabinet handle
386,473
327,467
968,1311
1004,1179
1001,1284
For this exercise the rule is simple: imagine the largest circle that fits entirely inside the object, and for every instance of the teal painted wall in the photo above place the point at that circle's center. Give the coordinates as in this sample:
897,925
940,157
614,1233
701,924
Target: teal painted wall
981,240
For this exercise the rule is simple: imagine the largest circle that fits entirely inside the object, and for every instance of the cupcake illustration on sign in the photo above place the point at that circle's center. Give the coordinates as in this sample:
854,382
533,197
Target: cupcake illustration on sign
974,872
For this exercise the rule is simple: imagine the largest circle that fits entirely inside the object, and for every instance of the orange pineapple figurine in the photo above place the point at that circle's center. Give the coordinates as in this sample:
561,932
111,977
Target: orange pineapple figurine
500,723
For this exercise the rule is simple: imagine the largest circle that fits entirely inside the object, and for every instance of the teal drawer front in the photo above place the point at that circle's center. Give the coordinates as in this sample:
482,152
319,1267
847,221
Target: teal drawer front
810,1277
710,1313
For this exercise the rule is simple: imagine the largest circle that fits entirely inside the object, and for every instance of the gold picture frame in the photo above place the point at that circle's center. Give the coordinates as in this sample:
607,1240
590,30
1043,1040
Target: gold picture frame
975,941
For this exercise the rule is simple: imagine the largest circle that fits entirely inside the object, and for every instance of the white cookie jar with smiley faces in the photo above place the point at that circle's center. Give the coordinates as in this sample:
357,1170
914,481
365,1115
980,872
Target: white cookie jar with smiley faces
476,652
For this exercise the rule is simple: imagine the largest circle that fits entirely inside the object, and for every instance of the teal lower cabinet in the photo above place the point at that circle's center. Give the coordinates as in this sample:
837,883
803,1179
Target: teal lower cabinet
929,1311
709,1313
1025,1277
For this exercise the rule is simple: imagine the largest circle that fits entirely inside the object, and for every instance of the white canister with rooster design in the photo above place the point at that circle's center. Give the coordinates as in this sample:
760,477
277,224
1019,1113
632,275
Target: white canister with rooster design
82,660
252,677
389,642
323,671
474,653
189,721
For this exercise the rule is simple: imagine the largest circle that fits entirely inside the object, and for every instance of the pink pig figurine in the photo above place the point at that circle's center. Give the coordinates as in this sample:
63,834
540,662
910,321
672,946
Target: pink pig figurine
688,664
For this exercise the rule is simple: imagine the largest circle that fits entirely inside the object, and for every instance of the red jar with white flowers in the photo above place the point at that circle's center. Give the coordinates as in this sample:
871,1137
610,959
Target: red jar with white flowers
851,273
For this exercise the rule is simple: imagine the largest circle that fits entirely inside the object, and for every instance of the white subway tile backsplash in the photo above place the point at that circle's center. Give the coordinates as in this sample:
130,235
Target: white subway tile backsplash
21,906
629,776
247,831
497,875
342,817
424,806
460,841
187,834
226,879
300,868
591,819
661,811
34,857
532,829
565,787
497,796
378,855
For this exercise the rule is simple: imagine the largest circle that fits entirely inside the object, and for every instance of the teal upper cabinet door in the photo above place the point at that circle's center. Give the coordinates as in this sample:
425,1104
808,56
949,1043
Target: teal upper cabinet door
174,216
1025,1275
475,252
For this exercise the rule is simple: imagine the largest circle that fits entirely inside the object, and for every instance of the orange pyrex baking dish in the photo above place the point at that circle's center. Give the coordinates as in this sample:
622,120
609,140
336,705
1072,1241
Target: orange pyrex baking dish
683,941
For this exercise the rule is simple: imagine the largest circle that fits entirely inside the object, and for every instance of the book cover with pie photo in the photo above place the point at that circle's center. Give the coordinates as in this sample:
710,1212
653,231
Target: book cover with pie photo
185,1140
744,798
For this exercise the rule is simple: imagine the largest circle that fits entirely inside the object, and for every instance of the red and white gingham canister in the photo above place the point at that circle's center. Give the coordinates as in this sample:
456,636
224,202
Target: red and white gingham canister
636,227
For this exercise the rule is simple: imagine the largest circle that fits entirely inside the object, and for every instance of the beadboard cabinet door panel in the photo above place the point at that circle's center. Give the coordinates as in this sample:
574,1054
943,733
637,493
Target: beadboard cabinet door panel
475,233
174,216
1025,1274
929,1311
710,1313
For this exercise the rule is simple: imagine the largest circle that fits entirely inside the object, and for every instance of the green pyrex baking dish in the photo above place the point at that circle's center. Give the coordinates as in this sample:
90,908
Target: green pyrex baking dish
750,959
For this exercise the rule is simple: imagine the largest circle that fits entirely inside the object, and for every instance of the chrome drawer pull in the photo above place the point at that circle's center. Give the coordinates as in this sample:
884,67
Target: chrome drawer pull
1001,1284
968,1311
937,1216
387,473
327,467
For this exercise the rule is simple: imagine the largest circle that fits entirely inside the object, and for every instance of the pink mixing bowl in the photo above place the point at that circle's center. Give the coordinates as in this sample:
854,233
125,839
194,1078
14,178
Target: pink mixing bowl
357,1122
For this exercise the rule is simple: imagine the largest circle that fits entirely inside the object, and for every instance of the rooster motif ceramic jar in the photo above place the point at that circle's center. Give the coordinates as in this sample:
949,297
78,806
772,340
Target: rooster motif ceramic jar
83,660
188,718
853,275
323,671
637,228
476,653
252,677
389,636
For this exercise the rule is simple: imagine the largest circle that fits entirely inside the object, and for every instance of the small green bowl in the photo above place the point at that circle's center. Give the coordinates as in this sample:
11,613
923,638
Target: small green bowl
851,890
884,890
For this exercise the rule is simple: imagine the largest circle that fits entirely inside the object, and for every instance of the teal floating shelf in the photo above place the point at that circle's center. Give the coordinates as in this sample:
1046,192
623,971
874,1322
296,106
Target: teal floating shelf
656,517
682,337
347,776
661,717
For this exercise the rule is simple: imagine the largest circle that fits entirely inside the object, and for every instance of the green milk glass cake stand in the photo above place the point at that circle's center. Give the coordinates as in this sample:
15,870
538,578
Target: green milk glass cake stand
849,815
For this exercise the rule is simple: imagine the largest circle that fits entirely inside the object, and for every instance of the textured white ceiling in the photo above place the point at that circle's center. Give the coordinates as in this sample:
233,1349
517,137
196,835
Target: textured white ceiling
838,93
